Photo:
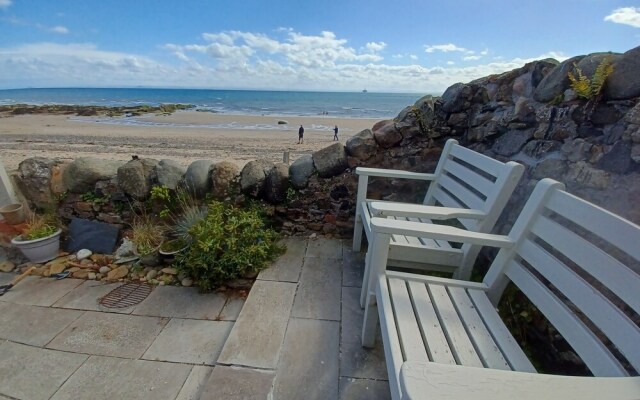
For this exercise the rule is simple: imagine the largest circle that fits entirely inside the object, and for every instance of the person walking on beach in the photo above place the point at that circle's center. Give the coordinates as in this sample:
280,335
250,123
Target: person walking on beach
301,135
335,133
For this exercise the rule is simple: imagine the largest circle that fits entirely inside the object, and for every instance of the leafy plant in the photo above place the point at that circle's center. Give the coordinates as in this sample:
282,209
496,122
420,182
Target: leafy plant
190,216
228,243
590,89
40,226
174,245
147,234
94,198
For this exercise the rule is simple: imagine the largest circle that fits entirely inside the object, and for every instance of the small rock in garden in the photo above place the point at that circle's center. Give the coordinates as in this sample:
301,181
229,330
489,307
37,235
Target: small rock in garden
73,269
118,273
133,275
99,276
186,282
46,273
313,236
57,266
151,274
154,281
161,283
86,263
84,253
82,274
143,279
7,266
92,276
104,270
169,271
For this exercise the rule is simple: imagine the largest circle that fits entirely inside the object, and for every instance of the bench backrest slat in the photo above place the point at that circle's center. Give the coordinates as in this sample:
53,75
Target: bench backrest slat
575,262
467,179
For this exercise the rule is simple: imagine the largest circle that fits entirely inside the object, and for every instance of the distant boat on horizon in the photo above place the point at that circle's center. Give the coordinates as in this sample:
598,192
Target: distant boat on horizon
364,90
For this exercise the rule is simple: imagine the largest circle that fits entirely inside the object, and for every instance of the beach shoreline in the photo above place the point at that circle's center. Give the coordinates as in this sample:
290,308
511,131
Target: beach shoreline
183,136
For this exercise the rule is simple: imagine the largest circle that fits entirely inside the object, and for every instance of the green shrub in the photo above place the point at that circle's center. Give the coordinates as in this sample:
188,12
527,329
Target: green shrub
228,243
590,89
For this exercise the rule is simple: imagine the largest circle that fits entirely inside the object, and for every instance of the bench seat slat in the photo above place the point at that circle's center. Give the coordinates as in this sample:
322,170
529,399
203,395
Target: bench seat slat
595,355
470,199
606,316
472,178
478,160
408,331
392,349
461,345
503,338
616,276
437,344
486,347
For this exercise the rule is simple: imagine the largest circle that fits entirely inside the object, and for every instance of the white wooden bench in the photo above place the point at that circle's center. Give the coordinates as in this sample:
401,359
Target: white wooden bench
576,262
466,186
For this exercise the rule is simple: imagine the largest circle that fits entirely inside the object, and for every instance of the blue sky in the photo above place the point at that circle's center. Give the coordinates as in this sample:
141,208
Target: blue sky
402,46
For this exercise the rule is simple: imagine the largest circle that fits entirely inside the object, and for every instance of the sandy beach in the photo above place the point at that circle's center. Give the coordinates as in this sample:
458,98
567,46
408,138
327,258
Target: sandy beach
182,136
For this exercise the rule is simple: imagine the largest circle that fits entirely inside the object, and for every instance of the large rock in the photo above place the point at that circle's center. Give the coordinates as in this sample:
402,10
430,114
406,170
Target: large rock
276,184
137,177
302,169
223,176
362,145
386,134
196,178
512,142
34,180
83,173
624,82
456,98
331,160
617,159
253,176
170,173
590,63
556,81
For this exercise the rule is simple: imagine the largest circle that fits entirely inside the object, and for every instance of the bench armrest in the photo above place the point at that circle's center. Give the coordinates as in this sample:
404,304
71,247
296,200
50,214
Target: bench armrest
381,209
420,380
442,232
394,173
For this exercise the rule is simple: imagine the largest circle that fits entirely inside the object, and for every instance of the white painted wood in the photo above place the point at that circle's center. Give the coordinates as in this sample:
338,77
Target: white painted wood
435,340
391,173
420,380
487,350
453,328
475,211
459,317
392,349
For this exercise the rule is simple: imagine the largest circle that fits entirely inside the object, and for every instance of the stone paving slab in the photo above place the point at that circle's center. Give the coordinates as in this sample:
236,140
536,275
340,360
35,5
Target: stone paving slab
87,295
32,373
189,341
324,248
287,267
352,266
6,277
108,378
308,367
195,383
364,389
231,309
256,337
181,302
33,325
38,291
115,335
318,294
233,383
357,361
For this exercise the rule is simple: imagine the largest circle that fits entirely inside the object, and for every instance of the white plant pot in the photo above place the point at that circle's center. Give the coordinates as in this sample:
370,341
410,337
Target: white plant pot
39,250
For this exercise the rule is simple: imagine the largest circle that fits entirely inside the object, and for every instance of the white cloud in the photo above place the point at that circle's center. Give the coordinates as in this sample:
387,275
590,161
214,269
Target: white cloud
450,63
375,47
471,58
413,56
59,29
445,48
5,3
626,16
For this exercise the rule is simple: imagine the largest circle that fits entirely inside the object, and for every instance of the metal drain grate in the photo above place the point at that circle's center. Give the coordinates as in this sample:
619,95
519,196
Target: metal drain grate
126,295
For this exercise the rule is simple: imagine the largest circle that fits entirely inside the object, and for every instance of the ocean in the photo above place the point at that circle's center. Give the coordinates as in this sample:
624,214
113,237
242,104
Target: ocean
238,102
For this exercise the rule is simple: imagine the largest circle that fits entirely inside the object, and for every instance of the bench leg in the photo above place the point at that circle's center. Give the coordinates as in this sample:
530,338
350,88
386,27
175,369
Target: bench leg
365,278
370,324
357,234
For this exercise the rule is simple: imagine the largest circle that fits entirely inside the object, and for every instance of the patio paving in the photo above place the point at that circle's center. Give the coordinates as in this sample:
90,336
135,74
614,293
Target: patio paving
296,336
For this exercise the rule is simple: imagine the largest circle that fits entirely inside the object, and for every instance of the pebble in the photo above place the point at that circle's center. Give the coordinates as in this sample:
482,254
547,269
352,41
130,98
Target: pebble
161,283
313,236
82,254
186,282
151,274
169,271
7,266
104,270
92,276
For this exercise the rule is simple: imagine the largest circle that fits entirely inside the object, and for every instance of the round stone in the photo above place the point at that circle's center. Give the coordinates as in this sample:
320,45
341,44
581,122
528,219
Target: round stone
82,254
151,274
186,282
91,275
104,270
